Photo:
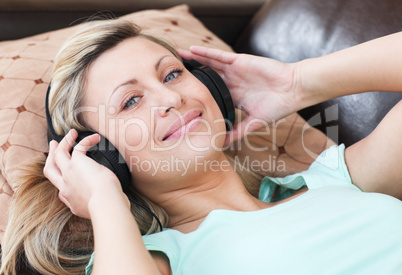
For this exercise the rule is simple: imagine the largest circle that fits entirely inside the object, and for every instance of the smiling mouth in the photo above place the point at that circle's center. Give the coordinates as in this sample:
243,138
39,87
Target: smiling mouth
183,125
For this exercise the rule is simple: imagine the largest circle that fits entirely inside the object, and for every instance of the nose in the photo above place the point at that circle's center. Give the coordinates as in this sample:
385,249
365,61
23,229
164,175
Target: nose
169,99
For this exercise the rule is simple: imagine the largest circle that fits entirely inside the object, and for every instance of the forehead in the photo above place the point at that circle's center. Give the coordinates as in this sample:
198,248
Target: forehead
129,50
129,59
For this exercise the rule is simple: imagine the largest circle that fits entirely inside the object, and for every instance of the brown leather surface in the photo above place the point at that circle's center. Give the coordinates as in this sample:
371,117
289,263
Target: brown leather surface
292,30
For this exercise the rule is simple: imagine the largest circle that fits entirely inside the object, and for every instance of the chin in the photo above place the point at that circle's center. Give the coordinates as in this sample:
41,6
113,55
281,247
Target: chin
200,142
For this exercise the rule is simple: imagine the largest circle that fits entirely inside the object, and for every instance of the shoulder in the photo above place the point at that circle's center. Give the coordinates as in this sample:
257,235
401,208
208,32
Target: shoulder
328,169
160,259
164,248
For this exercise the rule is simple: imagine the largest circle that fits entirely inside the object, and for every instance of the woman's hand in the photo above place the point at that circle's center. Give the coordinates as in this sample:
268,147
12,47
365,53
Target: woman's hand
92,191
264,88
78,177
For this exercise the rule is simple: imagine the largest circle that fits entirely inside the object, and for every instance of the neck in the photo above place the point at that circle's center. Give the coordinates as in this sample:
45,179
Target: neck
211,190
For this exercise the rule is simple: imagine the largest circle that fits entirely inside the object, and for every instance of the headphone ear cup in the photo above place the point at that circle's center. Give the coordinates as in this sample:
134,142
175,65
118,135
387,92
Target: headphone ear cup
217,87
107,155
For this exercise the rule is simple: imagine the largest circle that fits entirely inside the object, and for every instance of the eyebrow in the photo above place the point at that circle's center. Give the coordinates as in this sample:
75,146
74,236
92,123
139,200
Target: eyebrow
133,80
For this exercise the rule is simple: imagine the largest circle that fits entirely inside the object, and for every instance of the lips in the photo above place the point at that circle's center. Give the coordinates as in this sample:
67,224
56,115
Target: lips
183,125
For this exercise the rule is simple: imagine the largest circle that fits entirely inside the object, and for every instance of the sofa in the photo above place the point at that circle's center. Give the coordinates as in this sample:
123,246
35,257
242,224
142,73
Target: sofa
286,30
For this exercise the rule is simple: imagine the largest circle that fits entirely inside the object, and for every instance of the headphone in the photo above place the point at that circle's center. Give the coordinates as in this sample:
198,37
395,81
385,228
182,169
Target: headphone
107,155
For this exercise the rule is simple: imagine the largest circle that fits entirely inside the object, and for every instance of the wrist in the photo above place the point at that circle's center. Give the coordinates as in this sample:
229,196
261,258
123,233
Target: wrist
107,201
308,87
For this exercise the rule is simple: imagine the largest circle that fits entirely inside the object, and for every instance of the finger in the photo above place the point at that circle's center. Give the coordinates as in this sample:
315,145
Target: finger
67,143
216,65
214,54
243,128
185,54
86,143
50,170
62,154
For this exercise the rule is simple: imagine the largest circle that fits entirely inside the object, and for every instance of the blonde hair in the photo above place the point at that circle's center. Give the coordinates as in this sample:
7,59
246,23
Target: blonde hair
41,229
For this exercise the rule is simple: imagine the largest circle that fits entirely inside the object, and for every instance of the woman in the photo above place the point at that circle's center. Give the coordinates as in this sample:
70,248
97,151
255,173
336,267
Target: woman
215,225
44,230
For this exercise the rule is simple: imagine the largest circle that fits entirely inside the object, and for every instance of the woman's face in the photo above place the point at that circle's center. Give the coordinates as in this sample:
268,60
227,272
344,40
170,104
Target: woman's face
163,121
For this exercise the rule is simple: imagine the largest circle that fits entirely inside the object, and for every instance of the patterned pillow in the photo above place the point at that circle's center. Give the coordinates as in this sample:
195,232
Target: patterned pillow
25,71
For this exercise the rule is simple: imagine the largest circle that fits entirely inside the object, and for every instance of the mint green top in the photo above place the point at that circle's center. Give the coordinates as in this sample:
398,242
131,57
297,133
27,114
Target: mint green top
333,228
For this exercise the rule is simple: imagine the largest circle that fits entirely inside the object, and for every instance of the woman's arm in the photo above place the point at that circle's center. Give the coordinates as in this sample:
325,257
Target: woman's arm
92,191
374,163
119,248
371,66
267,89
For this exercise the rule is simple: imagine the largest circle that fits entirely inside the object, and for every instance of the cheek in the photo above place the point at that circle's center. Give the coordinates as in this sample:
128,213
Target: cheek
130,135
211,103
213,128
133,135
214,112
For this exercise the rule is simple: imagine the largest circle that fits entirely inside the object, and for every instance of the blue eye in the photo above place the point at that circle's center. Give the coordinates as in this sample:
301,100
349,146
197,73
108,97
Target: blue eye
173,75
132,101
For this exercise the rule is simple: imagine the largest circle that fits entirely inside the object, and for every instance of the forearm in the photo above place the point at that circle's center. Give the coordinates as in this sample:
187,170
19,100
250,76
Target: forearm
119,248
371,66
